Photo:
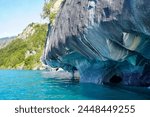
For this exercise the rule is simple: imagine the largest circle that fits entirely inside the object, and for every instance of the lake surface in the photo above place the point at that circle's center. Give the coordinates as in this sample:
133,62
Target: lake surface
37,85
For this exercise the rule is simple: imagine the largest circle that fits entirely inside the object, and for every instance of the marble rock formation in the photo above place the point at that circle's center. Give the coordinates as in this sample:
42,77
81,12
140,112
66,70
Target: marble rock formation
106,41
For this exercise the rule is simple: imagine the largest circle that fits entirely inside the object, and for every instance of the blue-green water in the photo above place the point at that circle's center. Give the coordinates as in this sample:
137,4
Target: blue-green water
36,85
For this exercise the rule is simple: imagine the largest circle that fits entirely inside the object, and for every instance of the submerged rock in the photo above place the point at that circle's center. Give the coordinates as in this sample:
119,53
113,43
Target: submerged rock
102,39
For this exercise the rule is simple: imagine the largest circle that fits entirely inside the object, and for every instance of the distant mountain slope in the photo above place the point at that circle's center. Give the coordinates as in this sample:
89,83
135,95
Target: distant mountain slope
25,51
5,41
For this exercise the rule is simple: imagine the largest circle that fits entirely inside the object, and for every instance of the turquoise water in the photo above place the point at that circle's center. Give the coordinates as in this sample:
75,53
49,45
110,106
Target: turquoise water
36,85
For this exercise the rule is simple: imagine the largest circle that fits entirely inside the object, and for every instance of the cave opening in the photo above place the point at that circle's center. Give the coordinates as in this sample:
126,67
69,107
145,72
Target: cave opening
107,12
115,79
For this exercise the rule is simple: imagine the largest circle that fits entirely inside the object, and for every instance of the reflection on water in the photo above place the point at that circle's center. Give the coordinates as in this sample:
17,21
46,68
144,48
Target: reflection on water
39,85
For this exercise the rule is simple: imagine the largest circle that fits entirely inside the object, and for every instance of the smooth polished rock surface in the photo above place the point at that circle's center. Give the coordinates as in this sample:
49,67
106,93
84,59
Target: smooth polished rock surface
102,39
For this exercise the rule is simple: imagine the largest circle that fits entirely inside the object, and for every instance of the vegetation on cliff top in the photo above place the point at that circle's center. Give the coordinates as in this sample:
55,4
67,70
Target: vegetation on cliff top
25,51
50,9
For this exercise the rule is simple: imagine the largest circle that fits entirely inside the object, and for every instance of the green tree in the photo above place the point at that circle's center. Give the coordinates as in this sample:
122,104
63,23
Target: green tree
47,14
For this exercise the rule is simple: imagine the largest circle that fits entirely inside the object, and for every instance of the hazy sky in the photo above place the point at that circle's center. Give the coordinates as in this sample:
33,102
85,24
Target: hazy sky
15,15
